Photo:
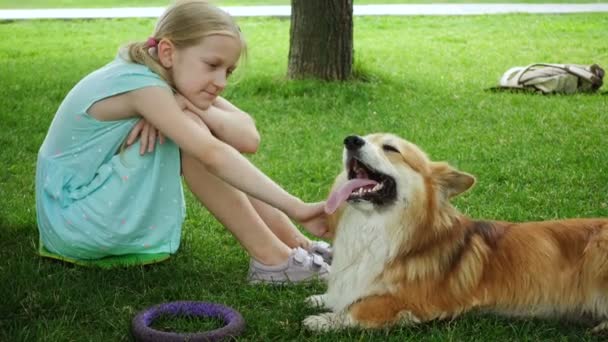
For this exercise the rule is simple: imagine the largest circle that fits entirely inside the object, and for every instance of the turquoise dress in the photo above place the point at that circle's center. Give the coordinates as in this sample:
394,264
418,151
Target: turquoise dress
94,200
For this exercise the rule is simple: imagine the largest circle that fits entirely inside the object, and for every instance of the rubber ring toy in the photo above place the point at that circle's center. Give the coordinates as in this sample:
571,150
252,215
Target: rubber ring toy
234,322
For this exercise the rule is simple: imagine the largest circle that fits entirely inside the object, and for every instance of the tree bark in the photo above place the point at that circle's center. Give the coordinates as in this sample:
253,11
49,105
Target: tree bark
321,39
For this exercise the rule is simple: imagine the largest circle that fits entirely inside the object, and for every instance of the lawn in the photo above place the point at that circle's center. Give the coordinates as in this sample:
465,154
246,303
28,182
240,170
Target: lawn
424,78
6,4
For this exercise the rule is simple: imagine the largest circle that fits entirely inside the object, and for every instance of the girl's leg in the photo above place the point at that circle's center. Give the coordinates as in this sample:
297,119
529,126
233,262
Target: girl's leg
236,212
280,225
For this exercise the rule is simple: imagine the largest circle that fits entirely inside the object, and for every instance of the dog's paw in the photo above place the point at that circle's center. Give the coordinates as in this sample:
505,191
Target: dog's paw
316,301
322,322
600,328
408,318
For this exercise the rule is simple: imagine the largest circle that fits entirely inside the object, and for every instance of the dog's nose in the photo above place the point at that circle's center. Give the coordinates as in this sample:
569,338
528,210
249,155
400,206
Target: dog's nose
353,142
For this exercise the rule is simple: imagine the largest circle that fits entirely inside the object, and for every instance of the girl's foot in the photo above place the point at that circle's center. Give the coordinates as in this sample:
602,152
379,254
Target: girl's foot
301,266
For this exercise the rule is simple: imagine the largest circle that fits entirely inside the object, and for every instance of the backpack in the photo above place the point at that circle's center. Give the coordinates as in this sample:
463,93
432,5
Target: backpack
554,78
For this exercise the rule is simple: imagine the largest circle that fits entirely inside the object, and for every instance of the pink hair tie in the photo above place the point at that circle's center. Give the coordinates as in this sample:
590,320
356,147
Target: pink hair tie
152,42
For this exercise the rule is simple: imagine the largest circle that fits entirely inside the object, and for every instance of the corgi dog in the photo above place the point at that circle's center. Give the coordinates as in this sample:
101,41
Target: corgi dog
404,255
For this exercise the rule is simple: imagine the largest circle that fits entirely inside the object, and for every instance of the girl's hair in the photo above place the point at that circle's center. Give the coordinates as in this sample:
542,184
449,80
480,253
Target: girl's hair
185,23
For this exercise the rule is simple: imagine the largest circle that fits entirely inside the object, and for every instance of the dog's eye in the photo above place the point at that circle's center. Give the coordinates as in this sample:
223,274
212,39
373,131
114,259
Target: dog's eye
389,148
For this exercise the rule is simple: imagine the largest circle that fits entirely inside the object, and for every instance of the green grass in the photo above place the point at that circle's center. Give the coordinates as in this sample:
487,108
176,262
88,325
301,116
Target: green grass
6,4
535,157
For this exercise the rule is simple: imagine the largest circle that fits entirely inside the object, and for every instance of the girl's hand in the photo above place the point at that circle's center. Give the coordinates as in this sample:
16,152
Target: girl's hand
147,136
312,216
185,104
227,123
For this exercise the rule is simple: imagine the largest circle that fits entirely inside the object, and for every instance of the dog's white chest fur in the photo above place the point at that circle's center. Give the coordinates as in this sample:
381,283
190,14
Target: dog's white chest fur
361,250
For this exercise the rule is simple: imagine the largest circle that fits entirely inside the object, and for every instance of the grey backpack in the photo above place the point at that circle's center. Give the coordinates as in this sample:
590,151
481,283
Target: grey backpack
553,78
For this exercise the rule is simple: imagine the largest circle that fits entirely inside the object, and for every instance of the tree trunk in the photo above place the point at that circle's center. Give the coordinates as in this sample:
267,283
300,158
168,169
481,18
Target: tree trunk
321,39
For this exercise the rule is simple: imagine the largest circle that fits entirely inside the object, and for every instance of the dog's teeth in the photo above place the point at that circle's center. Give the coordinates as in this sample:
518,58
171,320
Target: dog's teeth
377,187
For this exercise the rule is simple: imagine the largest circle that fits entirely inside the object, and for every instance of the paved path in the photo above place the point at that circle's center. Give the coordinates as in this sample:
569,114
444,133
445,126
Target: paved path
284,11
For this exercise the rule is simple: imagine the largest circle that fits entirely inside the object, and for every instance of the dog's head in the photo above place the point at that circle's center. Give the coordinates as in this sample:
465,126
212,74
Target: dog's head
384,173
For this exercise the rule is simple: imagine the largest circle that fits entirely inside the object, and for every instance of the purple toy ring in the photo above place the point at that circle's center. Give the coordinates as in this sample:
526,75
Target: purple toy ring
140,327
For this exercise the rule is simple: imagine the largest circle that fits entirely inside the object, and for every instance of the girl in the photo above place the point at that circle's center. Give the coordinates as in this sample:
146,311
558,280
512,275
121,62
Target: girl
95,199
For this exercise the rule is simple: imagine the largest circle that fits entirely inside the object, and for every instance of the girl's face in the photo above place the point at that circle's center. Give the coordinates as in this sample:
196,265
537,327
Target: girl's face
200,72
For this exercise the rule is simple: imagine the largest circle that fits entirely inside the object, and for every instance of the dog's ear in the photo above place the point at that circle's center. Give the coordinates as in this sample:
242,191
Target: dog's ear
453,182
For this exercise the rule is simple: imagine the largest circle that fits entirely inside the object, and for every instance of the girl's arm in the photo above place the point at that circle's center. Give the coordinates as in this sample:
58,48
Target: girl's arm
159,107
230,124
226,121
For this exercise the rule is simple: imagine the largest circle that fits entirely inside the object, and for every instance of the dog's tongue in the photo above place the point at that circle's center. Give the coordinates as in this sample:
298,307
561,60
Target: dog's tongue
338,196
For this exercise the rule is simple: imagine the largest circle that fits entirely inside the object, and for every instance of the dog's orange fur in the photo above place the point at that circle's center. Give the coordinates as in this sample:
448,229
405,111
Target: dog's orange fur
449,263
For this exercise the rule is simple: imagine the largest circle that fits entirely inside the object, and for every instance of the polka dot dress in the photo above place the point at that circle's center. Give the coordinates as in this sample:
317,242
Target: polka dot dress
94,199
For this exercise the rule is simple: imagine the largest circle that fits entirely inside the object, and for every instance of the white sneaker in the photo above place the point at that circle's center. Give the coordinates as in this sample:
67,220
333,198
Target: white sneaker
323,249
302,266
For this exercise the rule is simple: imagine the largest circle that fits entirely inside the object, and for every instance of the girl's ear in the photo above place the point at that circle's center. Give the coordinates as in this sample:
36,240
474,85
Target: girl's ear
165,50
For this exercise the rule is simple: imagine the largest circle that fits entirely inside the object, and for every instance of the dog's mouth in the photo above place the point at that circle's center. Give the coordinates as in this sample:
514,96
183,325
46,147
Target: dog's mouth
378,193
364,184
